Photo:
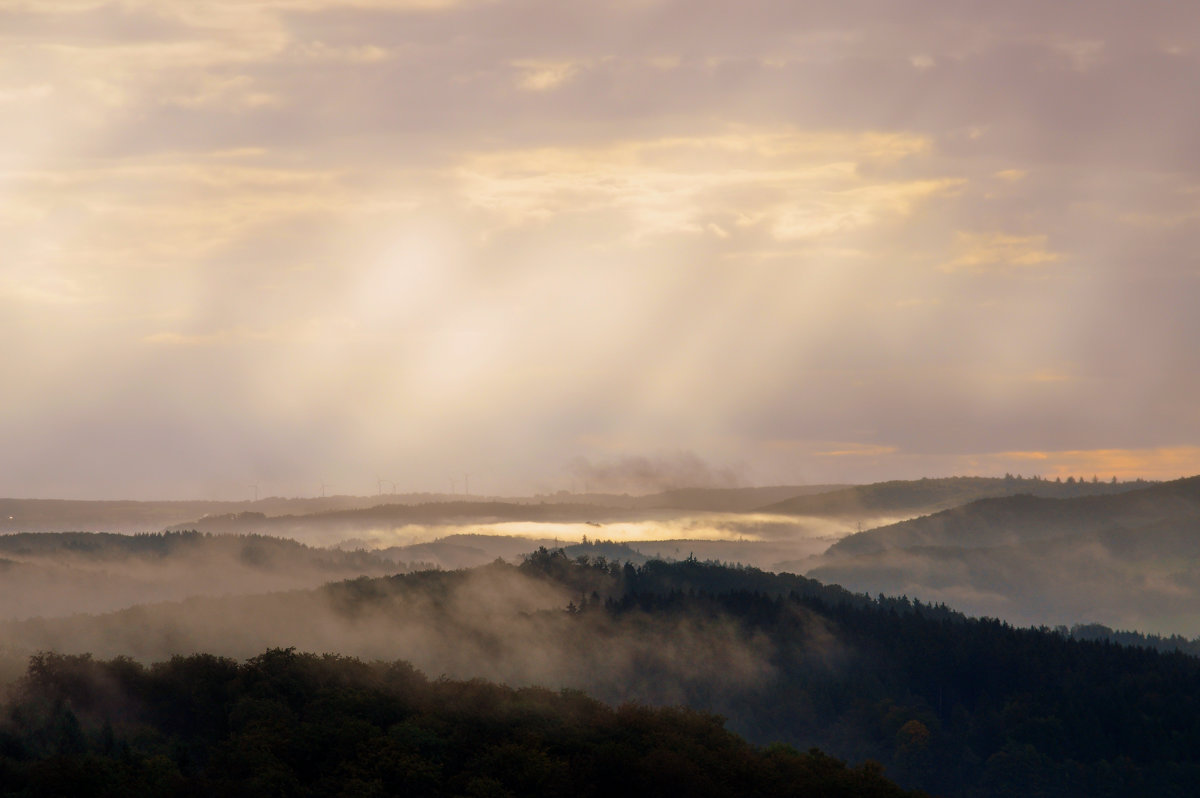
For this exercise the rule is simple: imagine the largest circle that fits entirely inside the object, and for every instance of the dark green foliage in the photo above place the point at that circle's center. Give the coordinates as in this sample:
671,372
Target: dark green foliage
952,705
1100,632
291,724
956,706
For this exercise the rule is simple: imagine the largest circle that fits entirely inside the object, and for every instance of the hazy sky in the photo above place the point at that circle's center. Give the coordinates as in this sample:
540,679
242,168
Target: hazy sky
287,241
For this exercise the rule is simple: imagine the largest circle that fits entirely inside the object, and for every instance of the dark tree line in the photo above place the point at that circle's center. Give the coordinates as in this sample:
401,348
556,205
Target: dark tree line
954,705
288,724
948,704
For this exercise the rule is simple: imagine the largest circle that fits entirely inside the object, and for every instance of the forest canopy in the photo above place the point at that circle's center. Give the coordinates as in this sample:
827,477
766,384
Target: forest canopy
291,724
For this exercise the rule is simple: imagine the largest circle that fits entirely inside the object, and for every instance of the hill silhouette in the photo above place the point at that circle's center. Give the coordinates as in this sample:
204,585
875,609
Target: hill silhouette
300,725
922,496
953,705
1130,560
60,573
1026,517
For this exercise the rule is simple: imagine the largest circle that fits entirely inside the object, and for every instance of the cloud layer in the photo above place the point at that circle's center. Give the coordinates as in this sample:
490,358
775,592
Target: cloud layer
293,241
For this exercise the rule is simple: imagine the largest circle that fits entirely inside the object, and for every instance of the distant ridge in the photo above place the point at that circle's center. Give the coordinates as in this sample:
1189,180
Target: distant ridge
128,516
61,573
955,705
729,499
1129,560
399,514
1003,520
930,495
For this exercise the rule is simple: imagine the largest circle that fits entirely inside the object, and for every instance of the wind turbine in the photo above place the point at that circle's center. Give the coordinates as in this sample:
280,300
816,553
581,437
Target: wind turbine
467,484
255,487
453,485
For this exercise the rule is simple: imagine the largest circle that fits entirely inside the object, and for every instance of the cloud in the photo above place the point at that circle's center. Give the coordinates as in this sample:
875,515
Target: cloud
26,93
237,90
642,474
1163,462
166,210
792,184
225,337
1001,252
545,75
858,450
409,236
44,289
1083,55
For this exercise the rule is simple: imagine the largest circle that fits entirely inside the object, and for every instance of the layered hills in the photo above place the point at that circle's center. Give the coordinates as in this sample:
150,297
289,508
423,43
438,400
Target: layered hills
1129,559
61,573
948,704
924,496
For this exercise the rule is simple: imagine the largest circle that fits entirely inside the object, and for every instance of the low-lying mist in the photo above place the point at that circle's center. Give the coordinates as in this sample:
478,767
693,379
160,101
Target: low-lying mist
497,622
1081,579
771,542
54,574
1128,559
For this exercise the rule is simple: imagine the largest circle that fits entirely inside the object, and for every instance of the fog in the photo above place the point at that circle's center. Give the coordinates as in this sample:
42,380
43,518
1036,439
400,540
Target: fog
494,622
644,474
1129,560
1118,554
767,541
1062,581
60,574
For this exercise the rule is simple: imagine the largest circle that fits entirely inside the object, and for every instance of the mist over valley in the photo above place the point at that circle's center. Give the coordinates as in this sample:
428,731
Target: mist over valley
468,399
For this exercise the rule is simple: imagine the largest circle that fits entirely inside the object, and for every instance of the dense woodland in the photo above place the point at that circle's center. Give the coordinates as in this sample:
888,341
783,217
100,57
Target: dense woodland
956,706
951,705
288,724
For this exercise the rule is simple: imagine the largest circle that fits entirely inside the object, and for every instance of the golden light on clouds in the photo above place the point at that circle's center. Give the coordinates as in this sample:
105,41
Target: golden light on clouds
273,240
545,75
1001,252
1165,462
793,184
144,213
858,450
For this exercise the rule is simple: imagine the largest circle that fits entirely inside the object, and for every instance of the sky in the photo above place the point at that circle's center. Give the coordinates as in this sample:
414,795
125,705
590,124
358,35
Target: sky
615,246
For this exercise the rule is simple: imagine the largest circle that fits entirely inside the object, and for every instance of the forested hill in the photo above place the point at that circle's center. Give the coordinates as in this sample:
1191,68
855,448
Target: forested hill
60,573
287,724
109,547
952,705
355,520
1128,560
956,706
921,496
1025,517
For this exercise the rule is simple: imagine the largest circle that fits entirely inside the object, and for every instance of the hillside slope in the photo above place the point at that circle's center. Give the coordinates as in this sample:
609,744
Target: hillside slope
922,496
956,706
301,725
60,573
1130,560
